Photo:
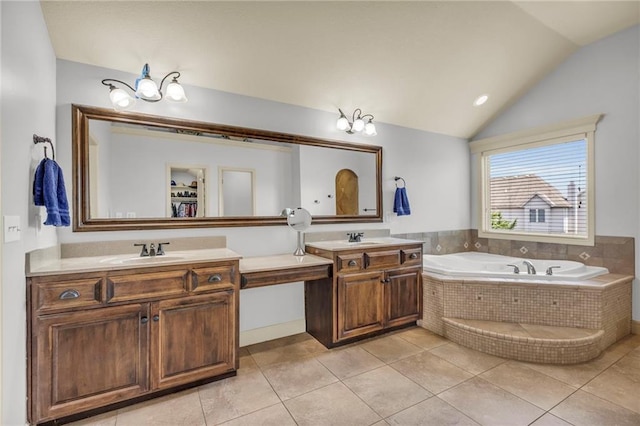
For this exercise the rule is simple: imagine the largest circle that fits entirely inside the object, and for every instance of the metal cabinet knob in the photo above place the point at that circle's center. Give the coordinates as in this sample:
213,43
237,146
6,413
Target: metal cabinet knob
215,278
352,263
144,320
69,294
413,256
156,318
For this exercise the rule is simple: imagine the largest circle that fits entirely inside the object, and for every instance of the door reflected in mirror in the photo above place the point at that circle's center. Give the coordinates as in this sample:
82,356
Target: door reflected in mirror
236,192
123,163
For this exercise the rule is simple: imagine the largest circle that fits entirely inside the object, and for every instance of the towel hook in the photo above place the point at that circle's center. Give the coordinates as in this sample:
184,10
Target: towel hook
39,139
397,178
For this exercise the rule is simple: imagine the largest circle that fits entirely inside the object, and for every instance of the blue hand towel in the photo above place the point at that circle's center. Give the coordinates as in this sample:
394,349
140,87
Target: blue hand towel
401,202
49,191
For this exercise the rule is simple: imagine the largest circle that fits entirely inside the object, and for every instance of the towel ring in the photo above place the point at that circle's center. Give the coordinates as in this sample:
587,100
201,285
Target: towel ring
397,178
39,139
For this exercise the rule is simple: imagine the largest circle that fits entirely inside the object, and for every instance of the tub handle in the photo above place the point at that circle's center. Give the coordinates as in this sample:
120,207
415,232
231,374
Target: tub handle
550,269
516,270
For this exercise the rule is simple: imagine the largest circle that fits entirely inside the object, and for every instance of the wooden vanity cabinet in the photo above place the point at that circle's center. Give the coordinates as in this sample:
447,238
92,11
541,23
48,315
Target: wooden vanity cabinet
104,338
373,290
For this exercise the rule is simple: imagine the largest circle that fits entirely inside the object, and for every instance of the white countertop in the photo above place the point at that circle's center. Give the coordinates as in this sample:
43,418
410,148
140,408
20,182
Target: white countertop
280,261
55,266
337,245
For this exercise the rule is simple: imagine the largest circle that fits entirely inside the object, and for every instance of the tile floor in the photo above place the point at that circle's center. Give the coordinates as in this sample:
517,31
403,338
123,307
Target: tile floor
411,377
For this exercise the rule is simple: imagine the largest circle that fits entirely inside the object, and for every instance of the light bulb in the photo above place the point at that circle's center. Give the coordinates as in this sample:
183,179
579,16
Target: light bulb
147,89
370,129
175,92
343,123
120,99
358,125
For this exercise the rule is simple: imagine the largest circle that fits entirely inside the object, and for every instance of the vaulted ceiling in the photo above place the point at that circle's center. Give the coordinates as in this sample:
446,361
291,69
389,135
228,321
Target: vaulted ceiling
418,64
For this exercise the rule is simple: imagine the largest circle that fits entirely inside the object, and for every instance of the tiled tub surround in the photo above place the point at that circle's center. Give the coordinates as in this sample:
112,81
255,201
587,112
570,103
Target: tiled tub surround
556,323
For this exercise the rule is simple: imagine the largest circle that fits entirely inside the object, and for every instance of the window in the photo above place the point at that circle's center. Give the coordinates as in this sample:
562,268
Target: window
538,185
536,215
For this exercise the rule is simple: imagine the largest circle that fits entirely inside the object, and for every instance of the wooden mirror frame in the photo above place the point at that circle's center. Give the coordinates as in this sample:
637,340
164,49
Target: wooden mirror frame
82,220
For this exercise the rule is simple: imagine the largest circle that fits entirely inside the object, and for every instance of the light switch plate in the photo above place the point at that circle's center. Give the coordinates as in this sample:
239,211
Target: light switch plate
12,228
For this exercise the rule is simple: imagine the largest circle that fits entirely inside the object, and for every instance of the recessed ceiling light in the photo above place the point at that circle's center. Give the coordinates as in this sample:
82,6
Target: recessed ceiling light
480,100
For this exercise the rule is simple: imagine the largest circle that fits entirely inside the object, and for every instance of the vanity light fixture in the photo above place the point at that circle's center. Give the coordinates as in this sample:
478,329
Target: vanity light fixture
144,88
357,123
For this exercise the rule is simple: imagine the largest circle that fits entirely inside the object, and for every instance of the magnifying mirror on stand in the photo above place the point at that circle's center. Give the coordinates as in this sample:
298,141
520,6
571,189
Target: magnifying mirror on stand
299,220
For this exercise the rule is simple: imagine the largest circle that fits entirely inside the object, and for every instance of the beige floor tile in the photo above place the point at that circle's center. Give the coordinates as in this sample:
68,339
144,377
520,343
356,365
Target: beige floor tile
620,383
431,372
386,391
530,385
582,408
236,396
106,419
286,349
433,411
276,415
390,348
349,362
577,375
470,360
381,423
422,338
550,420
294,378
332,405
181,409
488,404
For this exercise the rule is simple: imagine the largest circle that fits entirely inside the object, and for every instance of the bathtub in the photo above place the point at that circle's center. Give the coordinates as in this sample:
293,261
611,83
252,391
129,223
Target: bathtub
476,300
484,265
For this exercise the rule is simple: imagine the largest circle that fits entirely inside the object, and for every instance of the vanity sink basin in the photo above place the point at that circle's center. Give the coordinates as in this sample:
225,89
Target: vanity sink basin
141,260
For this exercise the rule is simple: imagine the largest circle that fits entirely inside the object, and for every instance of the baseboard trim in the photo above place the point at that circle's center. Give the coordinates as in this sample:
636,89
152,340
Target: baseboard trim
635,327
263,334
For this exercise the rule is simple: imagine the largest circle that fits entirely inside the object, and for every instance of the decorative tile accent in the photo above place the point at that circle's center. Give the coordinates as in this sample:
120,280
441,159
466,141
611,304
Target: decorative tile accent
438,248
524,250
477,245
584,256
466,244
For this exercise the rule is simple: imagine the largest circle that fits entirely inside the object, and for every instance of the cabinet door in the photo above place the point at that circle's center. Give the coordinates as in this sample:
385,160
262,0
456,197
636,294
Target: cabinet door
88,359
403,298
360,304
192,338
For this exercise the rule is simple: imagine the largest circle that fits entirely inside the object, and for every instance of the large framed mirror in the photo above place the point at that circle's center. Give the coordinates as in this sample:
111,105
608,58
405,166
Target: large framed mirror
137,171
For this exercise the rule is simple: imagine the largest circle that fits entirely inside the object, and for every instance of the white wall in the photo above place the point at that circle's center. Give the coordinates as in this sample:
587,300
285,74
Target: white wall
600,78
28,96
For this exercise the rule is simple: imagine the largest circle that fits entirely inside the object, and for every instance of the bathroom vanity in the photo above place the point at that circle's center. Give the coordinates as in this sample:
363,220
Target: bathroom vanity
376,287
107,329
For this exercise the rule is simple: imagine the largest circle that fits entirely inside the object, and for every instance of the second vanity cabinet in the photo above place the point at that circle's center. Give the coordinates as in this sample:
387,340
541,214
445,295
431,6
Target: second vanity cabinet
374,288
102,338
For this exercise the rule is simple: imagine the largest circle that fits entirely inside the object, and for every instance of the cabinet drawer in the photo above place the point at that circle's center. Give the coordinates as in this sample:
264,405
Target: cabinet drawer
382,259
411,256
349,262
68,294
215,278
143,286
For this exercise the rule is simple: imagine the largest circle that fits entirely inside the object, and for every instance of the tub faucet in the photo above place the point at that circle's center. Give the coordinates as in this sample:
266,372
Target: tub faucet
530,268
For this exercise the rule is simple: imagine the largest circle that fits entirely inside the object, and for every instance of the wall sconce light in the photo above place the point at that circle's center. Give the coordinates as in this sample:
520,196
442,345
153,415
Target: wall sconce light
144,88
357,123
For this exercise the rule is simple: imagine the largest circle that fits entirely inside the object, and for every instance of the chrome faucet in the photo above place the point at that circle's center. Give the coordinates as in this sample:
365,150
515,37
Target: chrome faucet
144,251
152,250
530,268
160,250
354,237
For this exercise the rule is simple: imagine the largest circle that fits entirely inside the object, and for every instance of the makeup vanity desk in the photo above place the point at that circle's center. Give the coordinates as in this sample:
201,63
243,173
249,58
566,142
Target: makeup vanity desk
283,268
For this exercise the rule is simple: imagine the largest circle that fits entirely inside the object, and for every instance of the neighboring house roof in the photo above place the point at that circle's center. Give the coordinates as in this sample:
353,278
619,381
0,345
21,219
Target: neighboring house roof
514,192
